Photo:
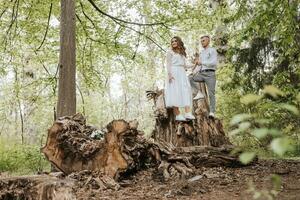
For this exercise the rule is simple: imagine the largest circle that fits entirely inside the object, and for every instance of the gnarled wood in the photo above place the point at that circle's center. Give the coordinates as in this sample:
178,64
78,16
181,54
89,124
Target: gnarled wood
70,148
201,131
36,188
124,150
55,186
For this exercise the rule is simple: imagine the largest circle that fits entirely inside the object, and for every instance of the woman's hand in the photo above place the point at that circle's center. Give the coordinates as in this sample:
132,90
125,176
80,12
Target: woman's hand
195,61
170,77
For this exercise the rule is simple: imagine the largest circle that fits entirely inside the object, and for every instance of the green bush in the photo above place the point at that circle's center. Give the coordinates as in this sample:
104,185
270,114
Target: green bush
270,124
21,159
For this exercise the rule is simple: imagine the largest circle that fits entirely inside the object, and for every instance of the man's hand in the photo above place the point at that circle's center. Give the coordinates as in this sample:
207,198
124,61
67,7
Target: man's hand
196,70
170,78
199,61
196,61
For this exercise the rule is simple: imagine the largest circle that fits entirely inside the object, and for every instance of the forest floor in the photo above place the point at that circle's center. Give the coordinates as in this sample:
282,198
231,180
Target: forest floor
217,183
220,183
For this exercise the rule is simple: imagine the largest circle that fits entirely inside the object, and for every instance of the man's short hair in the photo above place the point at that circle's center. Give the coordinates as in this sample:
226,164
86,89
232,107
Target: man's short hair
206,35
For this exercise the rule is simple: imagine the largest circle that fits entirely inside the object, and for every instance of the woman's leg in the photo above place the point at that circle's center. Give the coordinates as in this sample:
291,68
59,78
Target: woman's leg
178,117
188,114
176,111
187,109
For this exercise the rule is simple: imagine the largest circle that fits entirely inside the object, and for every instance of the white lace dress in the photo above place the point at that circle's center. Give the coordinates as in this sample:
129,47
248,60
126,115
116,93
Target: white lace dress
178,93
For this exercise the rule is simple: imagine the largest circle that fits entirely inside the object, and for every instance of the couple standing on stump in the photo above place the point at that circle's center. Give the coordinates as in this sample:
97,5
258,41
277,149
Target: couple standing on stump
179,88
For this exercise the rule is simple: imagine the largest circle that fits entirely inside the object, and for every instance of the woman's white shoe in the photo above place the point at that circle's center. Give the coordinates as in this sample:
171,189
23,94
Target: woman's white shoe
189,116
180,118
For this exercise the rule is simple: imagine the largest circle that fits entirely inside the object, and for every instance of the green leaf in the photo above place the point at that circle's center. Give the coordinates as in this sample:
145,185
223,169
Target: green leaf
274,132
276,180
260,133
257,195
293,109
273,91
234,132
250,98
298,97
281,145
244,126
239,118
263,121
247,157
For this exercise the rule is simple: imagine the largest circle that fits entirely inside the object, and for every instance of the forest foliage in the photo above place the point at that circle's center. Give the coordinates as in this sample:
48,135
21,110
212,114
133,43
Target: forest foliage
120,53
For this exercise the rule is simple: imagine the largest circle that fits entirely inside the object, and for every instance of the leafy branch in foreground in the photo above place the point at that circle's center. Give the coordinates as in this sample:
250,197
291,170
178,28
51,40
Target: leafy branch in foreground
260,126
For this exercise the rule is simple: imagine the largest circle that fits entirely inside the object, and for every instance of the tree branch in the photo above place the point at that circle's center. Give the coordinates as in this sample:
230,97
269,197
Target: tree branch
45,35
16,17
86,32
82,9
2,13
139,32
136,47
45,68
13,19
121,20
82,98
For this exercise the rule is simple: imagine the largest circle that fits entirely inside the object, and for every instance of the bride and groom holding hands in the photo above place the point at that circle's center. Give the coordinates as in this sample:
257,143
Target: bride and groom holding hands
179,87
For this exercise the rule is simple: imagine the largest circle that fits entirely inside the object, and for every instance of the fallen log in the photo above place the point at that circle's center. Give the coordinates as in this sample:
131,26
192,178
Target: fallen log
36,187
124,150
55,186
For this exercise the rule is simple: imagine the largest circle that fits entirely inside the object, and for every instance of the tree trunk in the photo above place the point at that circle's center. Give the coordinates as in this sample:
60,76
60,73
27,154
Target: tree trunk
73,146
201,131
66,104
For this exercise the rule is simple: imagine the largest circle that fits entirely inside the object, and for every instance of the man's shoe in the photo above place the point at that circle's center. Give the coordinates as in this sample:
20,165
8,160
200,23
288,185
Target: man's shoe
211,115
189,116
199,96
180,118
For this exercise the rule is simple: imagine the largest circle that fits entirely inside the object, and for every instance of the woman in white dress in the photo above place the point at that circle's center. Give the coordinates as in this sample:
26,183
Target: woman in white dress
178,93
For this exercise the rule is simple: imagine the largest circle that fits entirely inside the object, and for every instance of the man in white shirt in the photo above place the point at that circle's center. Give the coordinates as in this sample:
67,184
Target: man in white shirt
207,61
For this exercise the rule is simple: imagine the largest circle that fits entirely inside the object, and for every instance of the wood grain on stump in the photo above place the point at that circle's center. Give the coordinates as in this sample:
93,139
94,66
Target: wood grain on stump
201,131
124,150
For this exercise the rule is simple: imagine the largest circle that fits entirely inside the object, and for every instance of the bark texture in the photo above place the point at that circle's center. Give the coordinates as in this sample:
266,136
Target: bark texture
66,104
121,150
203,131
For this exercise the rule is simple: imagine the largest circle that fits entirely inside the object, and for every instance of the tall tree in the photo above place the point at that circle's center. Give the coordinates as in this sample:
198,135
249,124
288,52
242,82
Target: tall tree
66,104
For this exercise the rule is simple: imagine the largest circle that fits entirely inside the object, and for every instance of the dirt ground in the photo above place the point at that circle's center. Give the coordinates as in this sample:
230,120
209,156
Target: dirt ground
211,184
219,183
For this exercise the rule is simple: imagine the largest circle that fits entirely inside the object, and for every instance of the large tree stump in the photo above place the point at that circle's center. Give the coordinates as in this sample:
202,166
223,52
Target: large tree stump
70,148
201,131
123,150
